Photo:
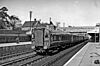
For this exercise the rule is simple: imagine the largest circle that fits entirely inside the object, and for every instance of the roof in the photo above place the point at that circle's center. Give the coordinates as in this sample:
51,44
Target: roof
35,24
5,31
27,23
79,29
96,30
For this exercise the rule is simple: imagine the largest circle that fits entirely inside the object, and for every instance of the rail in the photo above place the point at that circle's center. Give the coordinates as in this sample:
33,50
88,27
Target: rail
17,60
52,61
13,55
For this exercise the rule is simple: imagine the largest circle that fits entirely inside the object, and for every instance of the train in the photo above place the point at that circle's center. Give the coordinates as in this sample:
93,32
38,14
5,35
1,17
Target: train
10,36
46,40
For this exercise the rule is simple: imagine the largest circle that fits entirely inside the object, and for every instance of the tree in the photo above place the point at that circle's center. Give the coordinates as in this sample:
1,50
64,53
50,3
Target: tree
15,22
3,18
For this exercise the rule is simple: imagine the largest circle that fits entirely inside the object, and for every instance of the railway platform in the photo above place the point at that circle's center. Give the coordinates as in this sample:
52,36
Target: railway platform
15,43
89,55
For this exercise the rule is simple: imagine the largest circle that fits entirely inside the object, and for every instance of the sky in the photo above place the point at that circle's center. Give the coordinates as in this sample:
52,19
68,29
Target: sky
69,12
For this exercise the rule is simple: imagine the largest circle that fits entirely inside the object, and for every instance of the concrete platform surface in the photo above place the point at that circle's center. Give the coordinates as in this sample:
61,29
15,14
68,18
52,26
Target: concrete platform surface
12,44
89,55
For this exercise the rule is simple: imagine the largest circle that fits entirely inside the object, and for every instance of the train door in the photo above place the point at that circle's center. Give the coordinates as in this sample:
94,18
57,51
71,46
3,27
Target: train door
46,38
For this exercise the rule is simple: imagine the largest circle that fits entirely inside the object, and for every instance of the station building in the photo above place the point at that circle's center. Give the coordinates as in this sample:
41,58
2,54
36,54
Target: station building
27,26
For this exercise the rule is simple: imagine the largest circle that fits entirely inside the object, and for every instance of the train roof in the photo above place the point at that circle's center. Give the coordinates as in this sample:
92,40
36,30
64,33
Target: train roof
12,31
58,32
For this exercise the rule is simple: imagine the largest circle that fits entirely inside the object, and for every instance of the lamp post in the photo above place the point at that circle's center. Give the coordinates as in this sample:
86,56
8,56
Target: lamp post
30,19
99,34
31,29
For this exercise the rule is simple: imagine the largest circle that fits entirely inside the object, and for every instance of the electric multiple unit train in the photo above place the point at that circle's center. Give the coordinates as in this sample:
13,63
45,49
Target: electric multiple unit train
45,40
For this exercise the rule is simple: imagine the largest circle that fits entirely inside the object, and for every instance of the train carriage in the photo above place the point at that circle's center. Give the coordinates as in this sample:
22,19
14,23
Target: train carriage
42,39
11,37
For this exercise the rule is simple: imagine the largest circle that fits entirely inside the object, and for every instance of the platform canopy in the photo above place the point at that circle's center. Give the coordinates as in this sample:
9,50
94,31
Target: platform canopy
95,30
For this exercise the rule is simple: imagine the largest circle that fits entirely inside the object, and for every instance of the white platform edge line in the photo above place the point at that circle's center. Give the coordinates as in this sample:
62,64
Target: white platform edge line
12,44
75,55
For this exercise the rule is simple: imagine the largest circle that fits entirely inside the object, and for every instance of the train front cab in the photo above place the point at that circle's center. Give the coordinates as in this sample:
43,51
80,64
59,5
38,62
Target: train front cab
42,41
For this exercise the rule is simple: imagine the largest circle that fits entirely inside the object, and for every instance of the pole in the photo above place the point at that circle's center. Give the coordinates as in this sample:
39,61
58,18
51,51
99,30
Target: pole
31,25
99,34
30,19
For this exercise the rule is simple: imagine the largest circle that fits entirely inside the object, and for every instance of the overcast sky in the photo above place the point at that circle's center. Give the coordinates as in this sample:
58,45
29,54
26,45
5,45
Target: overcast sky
72,12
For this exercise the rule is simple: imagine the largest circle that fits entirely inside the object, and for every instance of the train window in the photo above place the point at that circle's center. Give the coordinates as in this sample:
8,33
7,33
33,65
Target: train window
33,35
46,35
63,37
51,36
54,37
60,38
57,37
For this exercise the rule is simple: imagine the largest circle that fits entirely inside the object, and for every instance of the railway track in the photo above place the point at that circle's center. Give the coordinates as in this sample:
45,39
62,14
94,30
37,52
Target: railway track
21,61
53,62
30,60
14,55
13,62
59,59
